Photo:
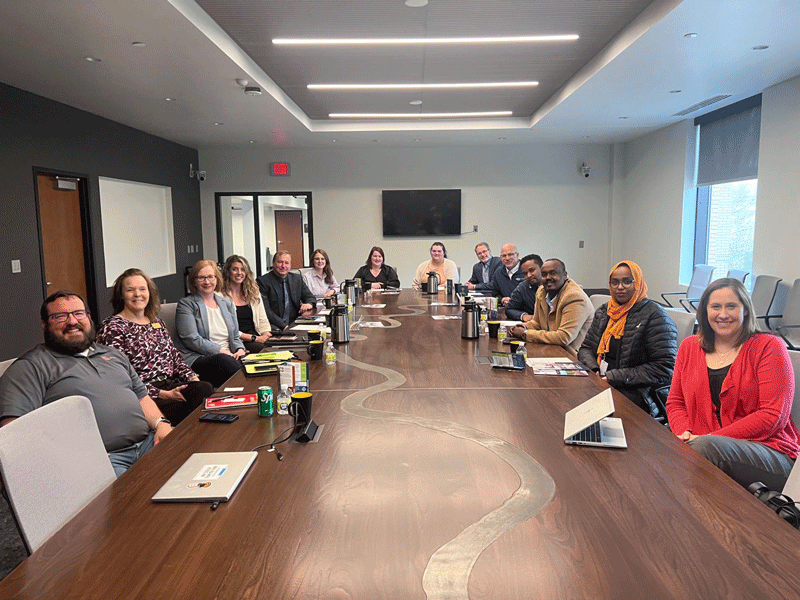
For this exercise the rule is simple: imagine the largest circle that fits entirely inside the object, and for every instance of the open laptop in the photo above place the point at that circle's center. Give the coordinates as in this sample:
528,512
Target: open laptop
589,424
206,477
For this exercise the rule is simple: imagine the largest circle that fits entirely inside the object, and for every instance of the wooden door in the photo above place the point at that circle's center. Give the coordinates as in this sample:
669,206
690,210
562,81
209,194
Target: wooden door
62,237
289,235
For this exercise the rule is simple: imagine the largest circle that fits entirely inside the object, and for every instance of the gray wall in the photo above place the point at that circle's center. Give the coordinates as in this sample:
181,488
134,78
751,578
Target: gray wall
39,133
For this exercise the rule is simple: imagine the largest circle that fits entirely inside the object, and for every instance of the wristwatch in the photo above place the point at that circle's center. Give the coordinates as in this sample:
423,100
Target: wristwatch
161,420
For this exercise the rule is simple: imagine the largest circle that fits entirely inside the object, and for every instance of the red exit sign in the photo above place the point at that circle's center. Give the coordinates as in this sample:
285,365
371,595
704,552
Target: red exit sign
279,169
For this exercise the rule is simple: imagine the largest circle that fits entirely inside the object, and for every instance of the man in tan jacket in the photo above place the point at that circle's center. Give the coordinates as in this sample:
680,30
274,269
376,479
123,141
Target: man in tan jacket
563,311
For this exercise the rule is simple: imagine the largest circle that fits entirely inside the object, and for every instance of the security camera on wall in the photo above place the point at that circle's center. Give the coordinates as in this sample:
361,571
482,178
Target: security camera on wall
585,170
201,176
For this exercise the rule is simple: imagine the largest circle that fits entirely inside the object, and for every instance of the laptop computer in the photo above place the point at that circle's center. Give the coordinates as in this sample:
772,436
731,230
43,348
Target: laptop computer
589,424
206,477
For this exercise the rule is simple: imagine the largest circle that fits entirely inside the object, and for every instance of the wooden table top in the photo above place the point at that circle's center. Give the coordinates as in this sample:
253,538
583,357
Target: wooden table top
434,477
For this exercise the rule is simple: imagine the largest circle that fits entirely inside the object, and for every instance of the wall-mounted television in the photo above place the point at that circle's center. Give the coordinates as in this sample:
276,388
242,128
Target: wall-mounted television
411,213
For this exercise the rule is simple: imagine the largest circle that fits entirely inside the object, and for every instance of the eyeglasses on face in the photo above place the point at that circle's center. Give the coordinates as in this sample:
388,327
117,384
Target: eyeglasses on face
206,277
627,282
63,317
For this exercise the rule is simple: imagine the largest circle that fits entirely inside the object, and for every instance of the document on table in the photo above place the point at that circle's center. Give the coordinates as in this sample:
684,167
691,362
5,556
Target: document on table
372,306
445,317
304,327
556,366
371,324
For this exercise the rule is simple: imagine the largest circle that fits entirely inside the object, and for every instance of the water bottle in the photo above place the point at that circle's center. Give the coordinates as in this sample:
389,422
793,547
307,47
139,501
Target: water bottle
501,334
330,354
521,349
283,400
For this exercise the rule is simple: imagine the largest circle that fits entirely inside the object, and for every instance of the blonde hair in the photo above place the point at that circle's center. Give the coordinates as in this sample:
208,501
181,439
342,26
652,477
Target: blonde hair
250,289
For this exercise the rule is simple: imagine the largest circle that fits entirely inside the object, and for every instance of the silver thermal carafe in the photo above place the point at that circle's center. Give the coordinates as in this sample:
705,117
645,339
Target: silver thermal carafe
470,321
432,285
350,290
340,325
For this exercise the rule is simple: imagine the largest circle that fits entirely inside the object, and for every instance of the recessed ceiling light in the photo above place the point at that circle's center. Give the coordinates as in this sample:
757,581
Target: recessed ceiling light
417,140
675,91
418,86
690,35
488,113
760,47
416,3
623,117
252,141
334,141
519,39
138,44
170,99
218,123
501,138
586,137
376,140
415,102
93,59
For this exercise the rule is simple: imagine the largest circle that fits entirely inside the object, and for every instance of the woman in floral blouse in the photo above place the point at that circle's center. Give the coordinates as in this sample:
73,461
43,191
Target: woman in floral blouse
137,331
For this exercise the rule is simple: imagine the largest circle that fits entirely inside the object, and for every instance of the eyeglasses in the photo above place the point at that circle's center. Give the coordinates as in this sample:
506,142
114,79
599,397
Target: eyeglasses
63,317
206,278
627,282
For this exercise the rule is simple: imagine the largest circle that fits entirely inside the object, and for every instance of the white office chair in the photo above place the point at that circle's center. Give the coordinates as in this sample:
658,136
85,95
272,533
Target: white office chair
599,299
684,321
773,318
167,314
737,274
53,463
701,276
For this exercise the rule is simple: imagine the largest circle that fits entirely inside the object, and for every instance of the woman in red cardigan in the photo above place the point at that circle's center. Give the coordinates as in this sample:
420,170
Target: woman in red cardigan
732,391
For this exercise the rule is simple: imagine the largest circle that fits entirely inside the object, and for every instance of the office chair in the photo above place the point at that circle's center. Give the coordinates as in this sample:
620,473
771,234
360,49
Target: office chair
53,463
773,317
599,299
762,295
789,329
167,314
701,276
685,323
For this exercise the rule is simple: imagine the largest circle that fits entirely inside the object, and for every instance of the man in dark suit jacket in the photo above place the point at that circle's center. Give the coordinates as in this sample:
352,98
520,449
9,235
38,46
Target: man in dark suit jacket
483,271
285,294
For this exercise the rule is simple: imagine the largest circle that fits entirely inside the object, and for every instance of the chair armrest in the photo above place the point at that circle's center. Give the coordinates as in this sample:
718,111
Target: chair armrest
690,306
785,339
768,317
665,294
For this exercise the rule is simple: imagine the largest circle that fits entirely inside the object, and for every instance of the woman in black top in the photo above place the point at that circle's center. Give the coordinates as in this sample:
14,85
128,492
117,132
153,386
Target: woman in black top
632,342
239,285
376,274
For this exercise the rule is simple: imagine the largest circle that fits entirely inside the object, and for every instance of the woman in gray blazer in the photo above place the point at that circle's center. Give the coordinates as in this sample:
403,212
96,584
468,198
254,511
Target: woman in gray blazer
208,332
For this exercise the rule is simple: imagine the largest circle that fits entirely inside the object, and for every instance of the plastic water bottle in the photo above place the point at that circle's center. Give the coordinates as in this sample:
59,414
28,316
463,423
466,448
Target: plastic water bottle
330,354
521,349
501,333
283,400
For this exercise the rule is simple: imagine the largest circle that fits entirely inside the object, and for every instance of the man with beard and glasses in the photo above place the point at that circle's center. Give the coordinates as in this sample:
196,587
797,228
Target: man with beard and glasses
70,363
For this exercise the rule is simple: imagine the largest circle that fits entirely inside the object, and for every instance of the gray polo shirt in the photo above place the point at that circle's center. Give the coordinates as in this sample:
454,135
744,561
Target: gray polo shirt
105,377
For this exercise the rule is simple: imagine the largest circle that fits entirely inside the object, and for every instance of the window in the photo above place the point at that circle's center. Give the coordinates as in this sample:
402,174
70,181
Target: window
725,225
727,182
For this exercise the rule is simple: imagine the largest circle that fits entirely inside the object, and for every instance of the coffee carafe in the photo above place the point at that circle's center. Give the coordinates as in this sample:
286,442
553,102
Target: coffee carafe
340,324
470,320
350,289
432,285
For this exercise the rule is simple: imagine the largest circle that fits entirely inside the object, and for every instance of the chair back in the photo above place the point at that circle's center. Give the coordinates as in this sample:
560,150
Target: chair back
794,355
701,277
167,314
53,463
791,315
685,323
5,364
599,299
762,296
738,274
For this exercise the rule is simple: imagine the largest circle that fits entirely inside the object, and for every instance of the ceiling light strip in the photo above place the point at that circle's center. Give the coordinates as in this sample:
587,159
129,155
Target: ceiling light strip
520,39
453,115
418,86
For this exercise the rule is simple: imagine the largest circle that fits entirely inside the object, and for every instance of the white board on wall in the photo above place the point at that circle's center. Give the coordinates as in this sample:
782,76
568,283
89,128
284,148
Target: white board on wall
137,228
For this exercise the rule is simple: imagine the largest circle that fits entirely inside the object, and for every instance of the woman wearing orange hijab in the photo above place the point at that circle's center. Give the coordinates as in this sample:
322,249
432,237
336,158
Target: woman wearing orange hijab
632,342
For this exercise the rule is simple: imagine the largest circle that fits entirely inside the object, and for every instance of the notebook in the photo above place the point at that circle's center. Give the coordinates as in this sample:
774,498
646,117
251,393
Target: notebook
206,477
589,424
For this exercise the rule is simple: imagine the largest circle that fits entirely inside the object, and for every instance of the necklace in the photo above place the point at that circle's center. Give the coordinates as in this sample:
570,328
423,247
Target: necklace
722,356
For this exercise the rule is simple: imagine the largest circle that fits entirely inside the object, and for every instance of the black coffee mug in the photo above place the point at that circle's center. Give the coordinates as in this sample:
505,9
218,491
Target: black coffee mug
514,345
329,301
314,334
315,350
494,327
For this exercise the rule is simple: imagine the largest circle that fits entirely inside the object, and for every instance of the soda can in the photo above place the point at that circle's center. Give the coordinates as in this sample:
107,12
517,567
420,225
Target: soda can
266,405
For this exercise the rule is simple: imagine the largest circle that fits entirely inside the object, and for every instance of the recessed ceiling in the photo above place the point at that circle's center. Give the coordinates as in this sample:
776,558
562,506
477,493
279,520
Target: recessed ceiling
629,56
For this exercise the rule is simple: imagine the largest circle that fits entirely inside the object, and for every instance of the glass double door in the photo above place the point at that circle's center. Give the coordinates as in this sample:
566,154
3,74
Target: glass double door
257,226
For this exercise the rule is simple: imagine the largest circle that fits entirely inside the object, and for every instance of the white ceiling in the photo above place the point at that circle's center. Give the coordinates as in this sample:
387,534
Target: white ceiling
585,86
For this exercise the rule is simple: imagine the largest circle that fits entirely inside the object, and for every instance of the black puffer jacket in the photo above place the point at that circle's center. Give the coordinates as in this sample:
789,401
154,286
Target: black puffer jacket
646,357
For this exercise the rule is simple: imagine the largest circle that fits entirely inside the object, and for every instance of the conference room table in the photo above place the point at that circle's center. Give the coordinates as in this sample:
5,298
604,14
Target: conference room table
433,477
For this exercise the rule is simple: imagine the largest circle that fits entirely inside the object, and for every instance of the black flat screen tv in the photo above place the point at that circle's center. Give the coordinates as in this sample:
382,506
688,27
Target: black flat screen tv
417,213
